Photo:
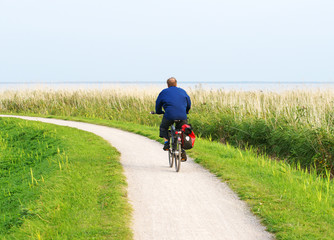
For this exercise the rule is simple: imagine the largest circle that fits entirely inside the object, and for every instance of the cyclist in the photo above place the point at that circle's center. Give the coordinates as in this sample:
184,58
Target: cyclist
176,104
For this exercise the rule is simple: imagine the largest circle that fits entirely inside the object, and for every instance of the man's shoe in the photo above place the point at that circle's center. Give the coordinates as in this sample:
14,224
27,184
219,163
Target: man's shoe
183,156
166,146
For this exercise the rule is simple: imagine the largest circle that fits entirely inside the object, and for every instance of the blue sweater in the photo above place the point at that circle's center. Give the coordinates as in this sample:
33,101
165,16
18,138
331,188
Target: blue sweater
176,103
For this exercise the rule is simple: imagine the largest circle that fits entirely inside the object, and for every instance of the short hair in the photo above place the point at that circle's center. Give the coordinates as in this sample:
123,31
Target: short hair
171,82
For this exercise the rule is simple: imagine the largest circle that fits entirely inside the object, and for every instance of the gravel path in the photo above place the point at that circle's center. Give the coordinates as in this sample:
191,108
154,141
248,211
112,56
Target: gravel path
191,204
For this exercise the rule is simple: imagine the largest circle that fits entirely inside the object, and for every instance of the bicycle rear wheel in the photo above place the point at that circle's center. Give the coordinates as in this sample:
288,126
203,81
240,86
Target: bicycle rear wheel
170,158
178,157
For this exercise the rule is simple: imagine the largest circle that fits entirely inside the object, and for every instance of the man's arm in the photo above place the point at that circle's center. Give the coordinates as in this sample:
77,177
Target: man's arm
158,105
188,103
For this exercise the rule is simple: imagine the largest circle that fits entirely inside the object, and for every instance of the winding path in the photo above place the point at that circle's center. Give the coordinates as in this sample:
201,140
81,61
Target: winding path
191,204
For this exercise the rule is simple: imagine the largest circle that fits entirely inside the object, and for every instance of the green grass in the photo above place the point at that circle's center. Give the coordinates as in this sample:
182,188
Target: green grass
60,183
291,202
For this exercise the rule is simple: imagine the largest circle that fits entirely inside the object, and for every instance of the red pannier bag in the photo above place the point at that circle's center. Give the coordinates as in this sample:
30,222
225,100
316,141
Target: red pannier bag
188,136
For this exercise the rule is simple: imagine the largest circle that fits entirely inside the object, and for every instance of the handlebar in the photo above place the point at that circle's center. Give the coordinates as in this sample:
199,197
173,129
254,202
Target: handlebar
152,112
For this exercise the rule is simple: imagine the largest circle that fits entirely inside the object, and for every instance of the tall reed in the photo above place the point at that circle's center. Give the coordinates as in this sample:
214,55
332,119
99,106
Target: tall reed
296,125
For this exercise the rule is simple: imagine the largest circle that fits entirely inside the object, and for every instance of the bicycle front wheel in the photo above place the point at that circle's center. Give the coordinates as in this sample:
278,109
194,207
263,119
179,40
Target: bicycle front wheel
178,157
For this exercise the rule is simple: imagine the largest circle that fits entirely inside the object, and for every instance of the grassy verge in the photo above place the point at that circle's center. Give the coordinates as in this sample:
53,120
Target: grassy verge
56,187
292,203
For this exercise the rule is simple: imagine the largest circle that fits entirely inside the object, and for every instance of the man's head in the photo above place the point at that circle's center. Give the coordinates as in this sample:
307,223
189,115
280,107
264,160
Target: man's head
171,82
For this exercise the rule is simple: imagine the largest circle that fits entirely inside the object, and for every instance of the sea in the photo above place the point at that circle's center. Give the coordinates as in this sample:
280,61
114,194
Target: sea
240,86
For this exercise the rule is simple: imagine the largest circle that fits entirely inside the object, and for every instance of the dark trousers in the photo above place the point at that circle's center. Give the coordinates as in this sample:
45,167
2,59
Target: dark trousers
165,124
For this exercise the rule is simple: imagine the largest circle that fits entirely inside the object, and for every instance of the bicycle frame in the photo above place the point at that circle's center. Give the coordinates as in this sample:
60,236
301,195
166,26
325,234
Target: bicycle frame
175,136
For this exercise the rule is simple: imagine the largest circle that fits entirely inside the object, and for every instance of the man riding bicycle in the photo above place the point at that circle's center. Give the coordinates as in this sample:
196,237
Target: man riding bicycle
176,104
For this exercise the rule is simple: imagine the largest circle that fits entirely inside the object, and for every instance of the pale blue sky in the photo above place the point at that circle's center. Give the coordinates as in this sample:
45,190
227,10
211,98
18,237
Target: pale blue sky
151,40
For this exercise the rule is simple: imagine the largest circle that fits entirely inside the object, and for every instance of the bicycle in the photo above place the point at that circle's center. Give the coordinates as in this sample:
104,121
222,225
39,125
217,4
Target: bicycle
175,148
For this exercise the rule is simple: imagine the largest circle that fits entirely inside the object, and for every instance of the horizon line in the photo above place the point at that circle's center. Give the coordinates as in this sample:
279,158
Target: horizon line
184,82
